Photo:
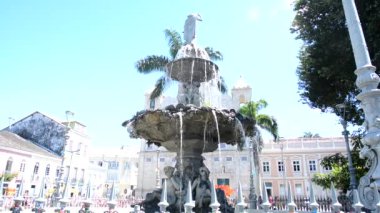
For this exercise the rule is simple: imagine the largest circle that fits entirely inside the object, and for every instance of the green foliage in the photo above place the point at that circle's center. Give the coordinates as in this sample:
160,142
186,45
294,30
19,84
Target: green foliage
157,63
310,135
8,176
339,174
251,110
326,70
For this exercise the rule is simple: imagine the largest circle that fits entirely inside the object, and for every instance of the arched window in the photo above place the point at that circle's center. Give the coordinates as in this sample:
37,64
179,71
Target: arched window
8,167
242,99
22,166
36,167
47,170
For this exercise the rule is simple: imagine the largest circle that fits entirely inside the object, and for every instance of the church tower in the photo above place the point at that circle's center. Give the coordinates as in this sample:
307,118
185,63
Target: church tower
241,93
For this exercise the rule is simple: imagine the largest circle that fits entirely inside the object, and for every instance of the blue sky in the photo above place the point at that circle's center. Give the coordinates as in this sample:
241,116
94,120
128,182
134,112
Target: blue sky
80,55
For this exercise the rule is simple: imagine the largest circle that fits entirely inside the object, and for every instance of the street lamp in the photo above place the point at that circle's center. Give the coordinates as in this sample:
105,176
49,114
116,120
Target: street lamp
283,165
342,110
158,185
252,190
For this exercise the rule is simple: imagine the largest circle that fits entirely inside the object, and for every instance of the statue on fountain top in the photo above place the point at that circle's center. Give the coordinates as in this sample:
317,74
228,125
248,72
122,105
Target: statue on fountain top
189,31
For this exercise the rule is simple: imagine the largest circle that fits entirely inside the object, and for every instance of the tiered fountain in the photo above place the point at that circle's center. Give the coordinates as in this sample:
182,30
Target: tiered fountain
188,128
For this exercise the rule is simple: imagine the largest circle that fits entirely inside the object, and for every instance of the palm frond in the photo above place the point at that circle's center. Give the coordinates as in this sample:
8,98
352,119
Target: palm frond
152,63
214,55
249,109
159,88
174,42
261,104
268,123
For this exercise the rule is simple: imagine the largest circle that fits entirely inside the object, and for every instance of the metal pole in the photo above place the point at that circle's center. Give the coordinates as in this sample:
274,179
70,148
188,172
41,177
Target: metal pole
158,185
283,167
367,81
252,190
351,168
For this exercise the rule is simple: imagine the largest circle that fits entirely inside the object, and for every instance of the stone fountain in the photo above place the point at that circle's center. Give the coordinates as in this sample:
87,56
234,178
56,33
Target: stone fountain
188,129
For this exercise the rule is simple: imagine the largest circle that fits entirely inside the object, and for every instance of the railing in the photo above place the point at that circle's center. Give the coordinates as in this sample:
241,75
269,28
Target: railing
28,203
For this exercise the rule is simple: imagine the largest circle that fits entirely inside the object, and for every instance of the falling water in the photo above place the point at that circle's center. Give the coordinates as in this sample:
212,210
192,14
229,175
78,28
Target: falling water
217,130
219,85
204,135
180,151
170,71
192,72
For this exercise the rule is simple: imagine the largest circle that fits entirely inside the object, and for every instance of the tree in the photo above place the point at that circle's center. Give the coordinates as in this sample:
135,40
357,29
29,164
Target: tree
157,63
325,73
326,70
338,164
310,135
8,176
263,121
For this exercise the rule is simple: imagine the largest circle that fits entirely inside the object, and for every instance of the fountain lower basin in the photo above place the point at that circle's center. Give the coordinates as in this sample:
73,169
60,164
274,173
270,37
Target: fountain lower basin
199,130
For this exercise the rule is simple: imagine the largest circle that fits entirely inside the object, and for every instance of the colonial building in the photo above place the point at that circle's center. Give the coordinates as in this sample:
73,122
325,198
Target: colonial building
68,140
28,163
117,166
292,161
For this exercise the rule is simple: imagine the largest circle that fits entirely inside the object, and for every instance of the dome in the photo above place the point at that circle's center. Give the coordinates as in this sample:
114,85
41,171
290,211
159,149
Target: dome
241,84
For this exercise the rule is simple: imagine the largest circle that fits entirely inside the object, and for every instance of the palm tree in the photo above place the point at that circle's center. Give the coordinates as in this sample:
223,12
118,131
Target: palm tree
157,63
266,122
255,121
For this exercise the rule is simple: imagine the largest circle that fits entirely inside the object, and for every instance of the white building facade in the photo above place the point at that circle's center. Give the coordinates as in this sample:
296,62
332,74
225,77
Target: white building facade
29,164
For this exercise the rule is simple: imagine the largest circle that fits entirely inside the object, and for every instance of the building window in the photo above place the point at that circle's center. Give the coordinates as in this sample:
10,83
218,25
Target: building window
47,170
36,167
57,171
266,167
148,159
216,158
280,166
242,99
296,166
113,165
244,158
282,190
327,168
8,167
223,181
228,158
298,187
22,166
162,159
312,166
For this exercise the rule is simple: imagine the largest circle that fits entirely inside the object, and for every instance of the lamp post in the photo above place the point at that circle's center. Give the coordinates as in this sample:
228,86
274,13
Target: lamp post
68,172
283,166
367,81
342,110
158,185
252,190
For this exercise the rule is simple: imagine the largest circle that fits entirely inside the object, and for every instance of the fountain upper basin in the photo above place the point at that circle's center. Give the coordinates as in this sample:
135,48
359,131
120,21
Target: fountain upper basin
197,70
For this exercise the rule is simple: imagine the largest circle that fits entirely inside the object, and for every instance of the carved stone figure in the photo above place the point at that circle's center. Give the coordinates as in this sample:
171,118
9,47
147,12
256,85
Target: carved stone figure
189,93
189,29
173,185
202,187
